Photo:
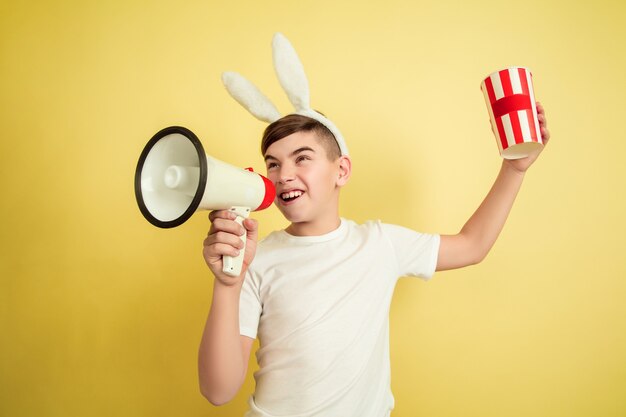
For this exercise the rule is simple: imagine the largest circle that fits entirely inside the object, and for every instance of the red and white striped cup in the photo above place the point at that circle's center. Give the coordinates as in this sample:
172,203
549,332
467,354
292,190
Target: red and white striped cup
511,103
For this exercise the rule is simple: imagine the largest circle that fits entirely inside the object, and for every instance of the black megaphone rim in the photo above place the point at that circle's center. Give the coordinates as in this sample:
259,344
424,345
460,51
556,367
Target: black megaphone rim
201,183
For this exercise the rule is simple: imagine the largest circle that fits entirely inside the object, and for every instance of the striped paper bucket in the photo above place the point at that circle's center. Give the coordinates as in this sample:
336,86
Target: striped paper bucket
511,103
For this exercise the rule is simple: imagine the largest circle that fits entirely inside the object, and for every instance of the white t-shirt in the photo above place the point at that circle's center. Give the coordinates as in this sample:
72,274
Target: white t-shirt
321,308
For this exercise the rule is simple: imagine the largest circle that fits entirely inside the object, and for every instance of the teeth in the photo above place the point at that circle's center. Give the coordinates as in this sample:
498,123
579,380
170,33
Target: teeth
291,194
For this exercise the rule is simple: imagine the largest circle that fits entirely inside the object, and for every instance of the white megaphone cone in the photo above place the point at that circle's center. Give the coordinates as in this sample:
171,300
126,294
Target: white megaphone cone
175,178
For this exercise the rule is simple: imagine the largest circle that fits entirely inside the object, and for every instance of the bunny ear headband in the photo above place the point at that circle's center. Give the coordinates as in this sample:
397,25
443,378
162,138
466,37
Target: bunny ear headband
292,79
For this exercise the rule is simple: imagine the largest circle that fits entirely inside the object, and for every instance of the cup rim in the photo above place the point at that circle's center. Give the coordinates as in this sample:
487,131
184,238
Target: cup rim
508,68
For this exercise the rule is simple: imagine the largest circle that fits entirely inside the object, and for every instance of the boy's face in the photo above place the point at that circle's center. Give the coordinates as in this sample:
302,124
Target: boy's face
307,182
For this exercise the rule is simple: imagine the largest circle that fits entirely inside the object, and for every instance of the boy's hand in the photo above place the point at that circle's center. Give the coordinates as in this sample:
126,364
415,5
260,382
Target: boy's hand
224,240
523,164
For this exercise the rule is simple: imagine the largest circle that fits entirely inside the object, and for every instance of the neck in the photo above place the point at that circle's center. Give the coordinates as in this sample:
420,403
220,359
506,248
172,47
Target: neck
316,228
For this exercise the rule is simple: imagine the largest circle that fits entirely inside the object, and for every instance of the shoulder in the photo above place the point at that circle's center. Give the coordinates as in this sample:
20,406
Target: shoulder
367,226
370,230
274,240
376,227
400,235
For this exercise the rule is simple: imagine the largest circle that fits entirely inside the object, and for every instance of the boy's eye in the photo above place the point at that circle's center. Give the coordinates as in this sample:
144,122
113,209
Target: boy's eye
272,165
302,158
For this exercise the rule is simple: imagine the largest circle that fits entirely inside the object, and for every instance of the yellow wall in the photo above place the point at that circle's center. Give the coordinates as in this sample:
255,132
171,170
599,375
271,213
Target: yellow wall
101,313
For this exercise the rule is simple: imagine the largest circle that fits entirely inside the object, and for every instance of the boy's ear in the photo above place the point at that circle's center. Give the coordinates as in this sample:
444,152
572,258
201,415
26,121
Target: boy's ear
345,170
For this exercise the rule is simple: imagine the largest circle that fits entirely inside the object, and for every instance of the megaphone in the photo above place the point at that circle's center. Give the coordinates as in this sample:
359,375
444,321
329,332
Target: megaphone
175,178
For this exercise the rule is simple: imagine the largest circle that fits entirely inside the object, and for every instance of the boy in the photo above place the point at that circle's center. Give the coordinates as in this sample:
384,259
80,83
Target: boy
317,294
319,291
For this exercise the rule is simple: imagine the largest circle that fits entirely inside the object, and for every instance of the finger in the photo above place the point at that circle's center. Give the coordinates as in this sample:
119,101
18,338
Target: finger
228,226
222,238
252,227
221,214
542,119
251,224
540,108
218,250
225,238
545,135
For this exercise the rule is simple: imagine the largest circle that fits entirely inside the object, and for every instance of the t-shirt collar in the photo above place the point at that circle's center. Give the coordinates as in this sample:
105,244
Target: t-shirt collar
317,239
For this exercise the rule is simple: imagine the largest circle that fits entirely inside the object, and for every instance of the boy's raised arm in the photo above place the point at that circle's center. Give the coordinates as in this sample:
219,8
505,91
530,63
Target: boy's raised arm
478,235
224,353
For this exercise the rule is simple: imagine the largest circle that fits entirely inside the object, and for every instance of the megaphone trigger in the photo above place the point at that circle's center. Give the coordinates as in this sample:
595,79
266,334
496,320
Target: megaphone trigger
233,264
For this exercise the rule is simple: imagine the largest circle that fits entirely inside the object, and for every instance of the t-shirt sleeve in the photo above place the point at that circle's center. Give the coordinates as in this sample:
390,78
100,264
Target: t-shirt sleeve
250,306
416,253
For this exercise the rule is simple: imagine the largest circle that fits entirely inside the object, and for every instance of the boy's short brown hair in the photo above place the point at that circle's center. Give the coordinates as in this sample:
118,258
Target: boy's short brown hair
293,123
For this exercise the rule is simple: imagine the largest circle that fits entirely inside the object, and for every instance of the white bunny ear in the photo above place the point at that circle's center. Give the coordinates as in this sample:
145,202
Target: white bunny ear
290,72
250,97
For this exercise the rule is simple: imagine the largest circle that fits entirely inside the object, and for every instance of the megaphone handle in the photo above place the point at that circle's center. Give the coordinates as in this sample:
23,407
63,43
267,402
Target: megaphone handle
233,264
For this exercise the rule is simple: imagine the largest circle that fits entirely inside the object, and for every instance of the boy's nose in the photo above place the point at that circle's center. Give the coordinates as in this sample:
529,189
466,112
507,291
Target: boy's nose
286,175
284,179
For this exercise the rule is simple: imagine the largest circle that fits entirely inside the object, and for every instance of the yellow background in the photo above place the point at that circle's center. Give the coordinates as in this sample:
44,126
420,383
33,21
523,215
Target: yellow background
101,313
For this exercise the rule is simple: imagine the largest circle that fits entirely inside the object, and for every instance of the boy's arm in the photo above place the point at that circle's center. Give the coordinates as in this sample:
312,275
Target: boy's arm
224,353
475,240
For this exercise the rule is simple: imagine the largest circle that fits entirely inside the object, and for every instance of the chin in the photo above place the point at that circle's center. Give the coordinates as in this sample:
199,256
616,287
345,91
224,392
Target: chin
293,217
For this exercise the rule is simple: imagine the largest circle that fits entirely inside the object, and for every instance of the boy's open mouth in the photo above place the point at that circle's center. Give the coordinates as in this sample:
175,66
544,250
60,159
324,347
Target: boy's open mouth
291,195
